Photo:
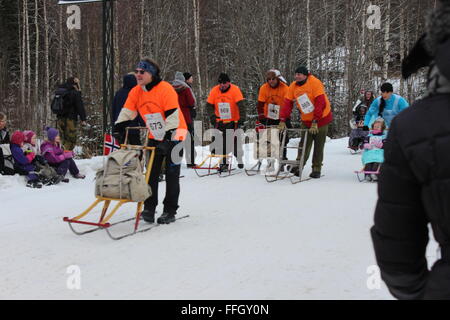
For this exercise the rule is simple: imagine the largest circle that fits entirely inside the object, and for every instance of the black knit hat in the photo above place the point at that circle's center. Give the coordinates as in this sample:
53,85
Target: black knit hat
223,78
302,70
187,75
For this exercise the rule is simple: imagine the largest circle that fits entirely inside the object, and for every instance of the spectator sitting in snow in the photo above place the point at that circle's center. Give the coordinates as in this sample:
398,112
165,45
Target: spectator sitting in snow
23,164
373,155
58,158
4,143
47,174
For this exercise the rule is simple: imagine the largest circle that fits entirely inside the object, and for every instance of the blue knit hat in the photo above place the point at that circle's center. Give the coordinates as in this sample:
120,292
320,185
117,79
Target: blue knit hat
51,133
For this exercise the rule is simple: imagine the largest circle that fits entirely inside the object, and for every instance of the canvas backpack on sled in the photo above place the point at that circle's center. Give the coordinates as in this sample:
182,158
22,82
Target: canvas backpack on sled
122,177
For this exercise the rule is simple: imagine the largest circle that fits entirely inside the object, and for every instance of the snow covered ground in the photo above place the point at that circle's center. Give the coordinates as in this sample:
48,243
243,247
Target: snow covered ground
244,239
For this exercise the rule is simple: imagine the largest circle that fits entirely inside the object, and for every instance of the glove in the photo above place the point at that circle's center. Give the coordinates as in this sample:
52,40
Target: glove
119,132
30,156
314,130
193,113
282,125
365,128
119,136
378,144
368,146
164,147
68,155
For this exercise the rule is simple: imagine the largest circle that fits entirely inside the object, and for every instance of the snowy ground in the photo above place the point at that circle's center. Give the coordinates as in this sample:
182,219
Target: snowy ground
244,239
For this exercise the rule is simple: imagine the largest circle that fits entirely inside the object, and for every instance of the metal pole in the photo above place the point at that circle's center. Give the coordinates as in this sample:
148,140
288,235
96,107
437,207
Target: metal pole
108,62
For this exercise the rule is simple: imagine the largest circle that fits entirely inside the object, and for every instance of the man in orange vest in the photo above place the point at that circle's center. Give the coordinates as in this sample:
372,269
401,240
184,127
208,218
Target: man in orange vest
227,111
270,101
308,94
156,101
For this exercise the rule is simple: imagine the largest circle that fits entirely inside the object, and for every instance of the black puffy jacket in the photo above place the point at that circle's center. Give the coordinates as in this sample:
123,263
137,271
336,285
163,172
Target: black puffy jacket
74,104
414,190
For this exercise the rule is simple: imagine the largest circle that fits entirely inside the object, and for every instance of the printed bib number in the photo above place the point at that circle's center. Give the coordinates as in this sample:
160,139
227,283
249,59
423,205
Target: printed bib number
156,125
305,104
273,111
224,110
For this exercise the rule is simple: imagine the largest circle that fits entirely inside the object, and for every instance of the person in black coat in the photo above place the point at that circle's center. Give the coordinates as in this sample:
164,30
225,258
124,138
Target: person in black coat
414,184
129,82
74,107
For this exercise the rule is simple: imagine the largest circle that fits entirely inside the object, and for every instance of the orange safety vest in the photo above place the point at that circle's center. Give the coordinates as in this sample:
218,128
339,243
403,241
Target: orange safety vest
305,95
225,104
273,99
155,103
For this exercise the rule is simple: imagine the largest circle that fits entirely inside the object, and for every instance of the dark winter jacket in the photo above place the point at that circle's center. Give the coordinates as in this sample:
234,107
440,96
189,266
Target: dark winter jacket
4,136
129,82
414,190
74,104
21,162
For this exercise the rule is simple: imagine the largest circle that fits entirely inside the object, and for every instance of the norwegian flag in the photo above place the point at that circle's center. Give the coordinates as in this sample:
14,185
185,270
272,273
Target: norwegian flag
110,144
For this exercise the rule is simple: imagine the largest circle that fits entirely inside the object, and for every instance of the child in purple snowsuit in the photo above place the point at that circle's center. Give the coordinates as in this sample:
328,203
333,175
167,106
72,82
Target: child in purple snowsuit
61,160
23,163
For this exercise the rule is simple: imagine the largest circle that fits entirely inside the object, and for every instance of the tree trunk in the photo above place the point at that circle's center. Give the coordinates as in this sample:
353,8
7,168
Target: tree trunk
386,57
47,67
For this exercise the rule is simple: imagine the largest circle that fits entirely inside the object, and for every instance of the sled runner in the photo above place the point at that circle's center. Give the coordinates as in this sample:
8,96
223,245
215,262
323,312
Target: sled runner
284,168
105,217
369,173
354,151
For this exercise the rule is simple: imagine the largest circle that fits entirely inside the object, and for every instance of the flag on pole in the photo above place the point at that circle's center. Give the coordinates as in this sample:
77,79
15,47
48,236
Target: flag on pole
110,144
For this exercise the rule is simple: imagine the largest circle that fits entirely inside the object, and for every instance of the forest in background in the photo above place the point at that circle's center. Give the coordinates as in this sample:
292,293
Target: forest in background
243,38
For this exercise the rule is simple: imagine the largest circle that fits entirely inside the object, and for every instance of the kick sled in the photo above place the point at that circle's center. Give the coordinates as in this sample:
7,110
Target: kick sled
278,168
105,217
212,166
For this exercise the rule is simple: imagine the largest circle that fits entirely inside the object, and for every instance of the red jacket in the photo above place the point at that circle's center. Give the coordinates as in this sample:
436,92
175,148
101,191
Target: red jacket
186,101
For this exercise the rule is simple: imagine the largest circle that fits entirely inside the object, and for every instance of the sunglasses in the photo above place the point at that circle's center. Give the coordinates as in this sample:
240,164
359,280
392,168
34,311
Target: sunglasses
139,71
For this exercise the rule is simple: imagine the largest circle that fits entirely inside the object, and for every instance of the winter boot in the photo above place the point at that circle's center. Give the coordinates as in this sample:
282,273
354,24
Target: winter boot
148,216
295,171
79,176
166,218
34,184
315,175
57,179
223,167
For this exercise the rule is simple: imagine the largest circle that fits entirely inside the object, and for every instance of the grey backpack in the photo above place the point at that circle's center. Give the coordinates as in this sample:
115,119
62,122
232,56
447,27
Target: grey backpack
122,177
